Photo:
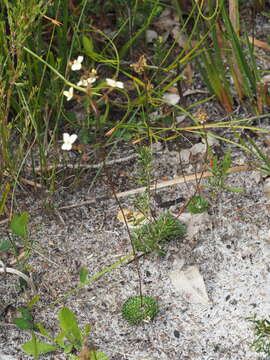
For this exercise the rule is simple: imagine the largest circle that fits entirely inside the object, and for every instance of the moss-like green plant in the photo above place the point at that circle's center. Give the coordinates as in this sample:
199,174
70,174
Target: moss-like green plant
139,308
153,235
198,205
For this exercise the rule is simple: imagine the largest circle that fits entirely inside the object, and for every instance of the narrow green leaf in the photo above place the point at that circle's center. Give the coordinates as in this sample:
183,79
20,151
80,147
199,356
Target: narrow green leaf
83,275
86,330
42,330
4,198
33,302
248,76
19,224
5,245
234,189
33,347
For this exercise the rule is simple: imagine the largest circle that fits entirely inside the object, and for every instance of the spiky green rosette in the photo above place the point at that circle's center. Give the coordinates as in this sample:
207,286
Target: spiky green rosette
139,308
153,236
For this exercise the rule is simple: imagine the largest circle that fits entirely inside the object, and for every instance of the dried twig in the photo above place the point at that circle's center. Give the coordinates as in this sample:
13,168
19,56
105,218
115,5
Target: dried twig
4,221
25,181
9,270
84,166
160,185
180,180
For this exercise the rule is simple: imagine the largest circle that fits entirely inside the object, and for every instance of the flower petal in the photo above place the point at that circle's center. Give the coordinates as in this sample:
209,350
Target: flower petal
91,80
73,138
76,67
66,146
171,98
110,82
119,85
115,84
77,64
80,59
66,137
69,93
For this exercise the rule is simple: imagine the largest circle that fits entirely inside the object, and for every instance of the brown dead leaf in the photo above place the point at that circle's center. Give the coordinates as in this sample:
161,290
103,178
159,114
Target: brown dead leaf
133,218
259,43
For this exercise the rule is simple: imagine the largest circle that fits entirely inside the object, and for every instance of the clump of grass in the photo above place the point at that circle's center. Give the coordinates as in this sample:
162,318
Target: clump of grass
152,237
139,308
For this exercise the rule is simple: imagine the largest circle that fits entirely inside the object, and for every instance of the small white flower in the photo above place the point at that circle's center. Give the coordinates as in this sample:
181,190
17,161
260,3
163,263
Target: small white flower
171,98
77,64
87,82
68,141
69,93
115,84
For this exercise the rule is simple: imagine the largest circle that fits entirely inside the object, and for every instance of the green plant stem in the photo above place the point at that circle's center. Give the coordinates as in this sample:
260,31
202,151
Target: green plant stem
131,241
126,47
93,278
67,82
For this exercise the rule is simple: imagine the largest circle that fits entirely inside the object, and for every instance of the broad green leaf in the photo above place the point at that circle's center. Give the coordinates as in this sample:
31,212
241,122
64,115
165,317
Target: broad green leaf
87,44
83,275
26,314
68,323
60,339
68,348
33,347
5,245
23,324
19,224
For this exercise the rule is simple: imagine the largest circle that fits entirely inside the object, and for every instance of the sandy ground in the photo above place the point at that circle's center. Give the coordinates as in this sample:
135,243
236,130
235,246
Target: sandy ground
230,246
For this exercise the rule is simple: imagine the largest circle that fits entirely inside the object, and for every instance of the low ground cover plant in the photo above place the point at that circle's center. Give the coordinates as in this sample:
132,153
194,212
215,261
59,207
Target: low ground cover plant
70,339
154,235
139,308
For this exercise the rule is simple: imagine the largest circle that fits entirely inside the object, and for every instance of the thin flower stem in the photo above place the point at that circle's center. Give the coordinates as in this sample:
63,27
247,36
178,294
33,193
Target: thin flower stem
129,235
